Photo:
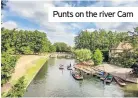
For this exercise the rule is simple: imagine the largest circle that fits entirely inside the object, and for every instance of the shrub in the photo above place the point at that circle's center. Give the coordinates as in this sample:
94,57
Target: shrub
97,57
18,89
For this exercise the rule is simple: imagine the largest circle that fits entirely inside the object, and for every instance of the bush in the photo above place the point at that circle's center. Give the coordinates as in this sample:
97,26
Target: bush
97,57
18,89
82,54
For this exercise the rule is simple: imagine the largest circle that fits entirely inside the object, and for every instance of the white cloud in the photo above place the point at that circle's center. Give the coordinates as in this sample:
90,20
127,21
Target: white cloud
91,29
37,11
120,26
9,25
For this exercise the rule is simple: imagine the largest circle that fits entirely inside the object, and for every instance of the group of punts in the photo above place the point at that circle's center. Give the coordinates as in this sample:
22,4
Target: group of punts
108,78
75,74
62,67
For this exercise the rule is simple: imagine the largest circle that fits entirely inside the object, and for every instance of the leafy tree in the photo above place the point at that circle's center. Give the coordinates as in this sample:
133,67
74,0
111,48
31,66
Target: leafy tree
52,48
3,3
97,57
24,42
83,54
7,67
134,37
62,47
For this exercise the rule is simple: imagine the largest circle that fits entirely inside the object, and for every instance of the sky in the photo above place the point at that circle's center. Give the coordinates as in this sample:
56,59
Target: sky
33,15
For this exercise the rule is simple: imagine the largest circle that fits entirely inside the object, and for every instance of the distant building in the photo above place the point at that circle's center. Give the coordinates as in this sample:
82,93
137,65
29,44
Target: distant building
120,48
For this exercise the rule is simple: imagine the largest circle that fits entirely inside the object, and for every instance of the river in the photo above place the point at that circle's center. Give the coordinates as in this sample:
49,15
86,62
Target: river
52,82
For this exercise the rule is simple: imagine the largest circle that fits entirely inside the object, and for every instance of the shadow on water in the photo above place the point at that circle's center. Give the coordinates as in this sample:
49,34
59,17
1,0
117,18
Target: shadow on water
53,82
42,73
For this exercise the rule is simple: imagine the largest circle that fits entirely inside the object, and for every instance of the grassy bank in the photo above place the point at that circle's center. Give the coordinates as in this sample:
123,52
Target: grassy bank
31,72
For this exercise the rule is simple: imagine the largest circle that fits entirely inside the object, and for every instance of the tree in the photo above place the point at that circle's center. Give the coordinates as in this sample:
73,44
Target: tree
24,42
3,3
52,48
7,67
101,39
82,54
62,47
98,57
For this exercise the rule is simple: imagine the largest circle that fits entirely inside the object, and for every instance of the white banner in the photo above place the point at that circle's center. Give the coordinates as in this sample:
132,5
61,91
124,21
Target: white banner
93,14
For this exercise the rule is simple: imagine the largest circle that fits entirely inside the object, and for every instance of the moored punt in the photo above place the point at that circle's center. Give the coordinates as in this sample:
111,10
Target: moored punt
103,77
61,67
119,81
109,78
77,76
99,74
69,68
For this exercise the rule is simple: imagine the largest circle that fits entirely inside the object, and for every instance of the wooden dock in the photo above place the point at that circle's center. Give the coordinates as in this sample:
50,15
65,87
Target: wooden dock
85,69
116,71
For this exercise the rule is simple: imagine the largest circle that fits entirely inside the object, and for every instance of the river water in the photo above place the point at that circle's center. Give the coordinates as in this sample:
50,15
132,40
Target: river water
52,82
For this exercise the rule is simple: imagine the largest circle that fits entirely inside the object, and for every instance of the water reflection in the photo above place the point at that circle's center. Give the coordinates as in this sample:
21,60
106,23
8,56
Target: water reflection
53,82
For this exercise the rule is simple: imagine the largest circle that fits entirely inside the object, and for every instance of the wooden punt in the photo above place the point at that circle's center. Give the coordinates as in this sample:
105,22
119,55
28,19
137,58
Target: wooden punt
69,68
109,78
61,67
77,76
119,81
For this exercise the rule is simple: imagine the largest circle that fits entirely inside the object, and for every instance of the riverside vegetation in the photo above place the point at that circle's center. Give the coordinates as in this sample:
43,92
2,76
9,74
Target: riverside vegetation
104,41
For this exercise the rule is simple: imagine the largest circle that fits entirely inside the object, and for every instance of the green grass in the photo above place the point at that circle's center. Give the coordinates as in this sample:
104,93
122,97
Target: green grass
31,72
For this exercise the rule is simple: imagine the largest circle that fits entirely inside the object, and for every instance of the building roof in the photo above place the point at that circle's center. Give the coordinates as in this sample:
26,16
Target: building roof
123,46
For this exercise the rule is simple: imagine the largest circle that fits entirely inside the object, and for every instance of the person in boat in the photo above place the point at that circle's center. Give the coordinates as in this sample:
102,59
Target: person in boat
70,64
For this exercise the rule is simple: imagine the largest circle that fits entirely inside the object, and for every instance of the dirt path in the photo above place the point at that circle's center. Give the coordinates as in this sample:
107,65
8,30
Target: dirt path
25,62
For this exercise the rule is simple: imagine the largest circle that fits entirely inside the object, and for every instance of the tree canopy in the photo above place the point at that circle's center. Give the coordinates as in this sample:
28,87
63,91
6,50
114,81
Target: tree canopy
62,47
24,42
83,54
101,39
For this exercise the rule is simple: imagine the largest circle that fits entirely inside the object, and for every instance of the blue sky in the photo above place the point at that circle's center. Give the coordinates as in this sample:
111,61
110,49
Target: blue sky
32,15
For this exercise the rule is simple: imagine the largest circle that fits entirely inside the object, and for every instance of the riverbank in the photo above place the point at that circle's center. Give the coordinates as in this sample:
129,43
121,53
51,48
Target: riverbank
28,66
